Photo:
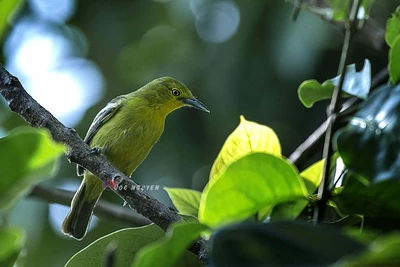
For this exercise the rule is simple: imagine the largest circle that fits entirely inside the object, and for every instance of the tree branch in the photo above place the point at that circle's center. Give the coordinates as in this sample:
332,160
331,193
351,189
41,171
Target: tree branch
333,112
103,208
372,35
79,152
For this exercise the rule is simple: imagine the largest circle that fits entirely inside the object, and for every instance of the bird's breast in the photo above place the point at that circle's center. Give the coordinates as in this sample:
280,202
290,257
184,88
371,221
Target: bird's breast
127,146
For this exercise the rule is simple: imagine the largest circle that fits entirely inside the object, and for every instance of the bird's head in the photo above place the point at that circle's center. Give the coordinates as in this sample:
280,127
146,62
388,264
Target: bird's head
168,94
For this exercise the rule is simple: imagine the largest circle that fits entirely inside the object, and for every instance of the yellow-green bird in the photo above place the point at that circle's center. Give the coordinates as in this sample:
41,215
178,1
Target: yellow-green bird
124,132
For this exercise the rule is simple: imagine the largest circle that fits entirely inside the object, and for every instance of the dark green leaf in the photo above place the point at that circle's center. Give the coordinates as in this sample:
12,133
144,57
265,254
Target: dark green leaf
355,84
128,241
167,251
393,28
27,156
369,145
186,201
279,244
377,200
12,240
384,251
254,182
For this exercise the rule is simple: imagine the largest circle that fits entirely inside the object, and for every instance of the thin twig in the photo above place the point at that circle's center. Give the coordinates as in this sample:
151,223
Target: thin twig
333,111
104,209
372,35
296,9
79,152
315,141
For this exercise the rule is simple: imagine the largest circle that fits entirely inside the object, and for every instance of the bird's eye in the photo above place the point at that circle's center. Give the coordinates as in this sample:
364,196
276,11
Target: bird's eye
175,92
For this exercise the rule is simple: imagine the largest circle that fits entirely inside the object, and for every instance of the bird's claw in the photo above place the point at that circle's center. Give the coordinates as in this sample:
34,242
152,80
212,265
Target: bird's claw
95,150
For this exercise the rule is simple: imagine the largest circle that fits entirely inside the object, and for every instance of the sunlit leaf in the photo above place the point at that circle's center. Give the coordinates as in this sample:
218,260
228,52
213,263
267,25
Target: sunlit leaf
254,182
355,84
248,137
167,251
279,244
186,201
370,144
27,156
12,241
394,61
393,28
312,177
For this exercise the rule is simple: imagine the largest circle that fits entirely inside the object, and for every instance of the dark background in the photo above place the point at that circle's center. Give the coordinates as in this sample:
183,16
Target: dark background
238,57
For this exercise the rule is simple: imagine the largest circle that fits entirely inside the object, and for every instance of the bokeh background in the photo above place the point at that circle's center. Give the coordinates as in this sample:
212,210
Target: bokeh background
238,57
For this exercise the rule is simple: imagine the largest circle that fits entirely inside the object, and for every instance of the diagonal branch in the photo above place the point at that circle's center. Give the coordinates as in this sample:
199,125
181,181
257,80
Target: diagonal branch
79,152
372,35
103,208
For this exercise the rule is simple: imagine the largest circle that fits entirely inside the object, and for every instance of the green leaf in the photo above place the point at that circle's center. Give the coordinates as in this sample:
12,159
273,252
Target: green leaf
340,9
369,145
393,28
186,201
7,9
384,251
167,251
394,61
254,182
247,138
312,177
377,200
128,241
279,244
355,84
27,156
12,241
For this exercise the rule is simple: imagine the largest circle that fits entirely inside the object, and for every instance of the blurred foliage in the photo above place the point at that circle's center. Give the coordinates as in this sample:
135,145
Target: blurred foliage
27,157
238,57
7,9
12,242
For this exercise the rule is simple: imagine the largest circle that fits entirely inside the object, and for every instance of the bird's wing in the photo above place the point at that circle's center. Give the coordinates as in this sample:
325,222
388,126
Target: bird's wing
101,118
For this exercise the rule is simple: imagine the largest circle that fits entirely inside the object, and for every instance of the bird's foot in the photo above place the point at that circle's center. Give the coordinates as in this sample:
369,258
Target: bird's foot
96,150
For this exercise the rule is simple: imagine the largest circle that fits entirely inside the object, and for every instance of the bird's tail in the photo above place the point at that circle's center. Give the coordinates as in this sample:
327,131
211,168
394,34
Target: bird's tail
77,220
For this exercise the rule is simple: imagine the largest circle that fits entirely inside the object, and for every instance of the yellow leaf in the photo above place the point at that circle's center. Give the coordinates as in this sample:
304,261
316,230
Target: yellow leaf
313,175
248,137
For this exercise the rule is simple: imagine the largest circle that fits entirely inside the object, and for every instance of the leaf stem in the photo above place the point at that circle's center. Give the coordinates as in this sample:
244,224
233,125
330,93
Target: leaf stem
333,111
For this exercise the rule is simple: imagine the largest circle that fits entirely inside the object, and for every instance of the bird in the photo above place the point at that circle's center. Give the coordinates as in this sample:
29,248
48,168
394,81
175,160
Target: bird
124,132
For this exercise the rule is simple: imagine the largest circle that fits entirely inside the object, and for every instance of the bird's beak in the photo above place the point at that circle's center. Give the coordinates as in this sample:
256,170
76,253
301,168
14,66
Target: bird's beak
194,103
